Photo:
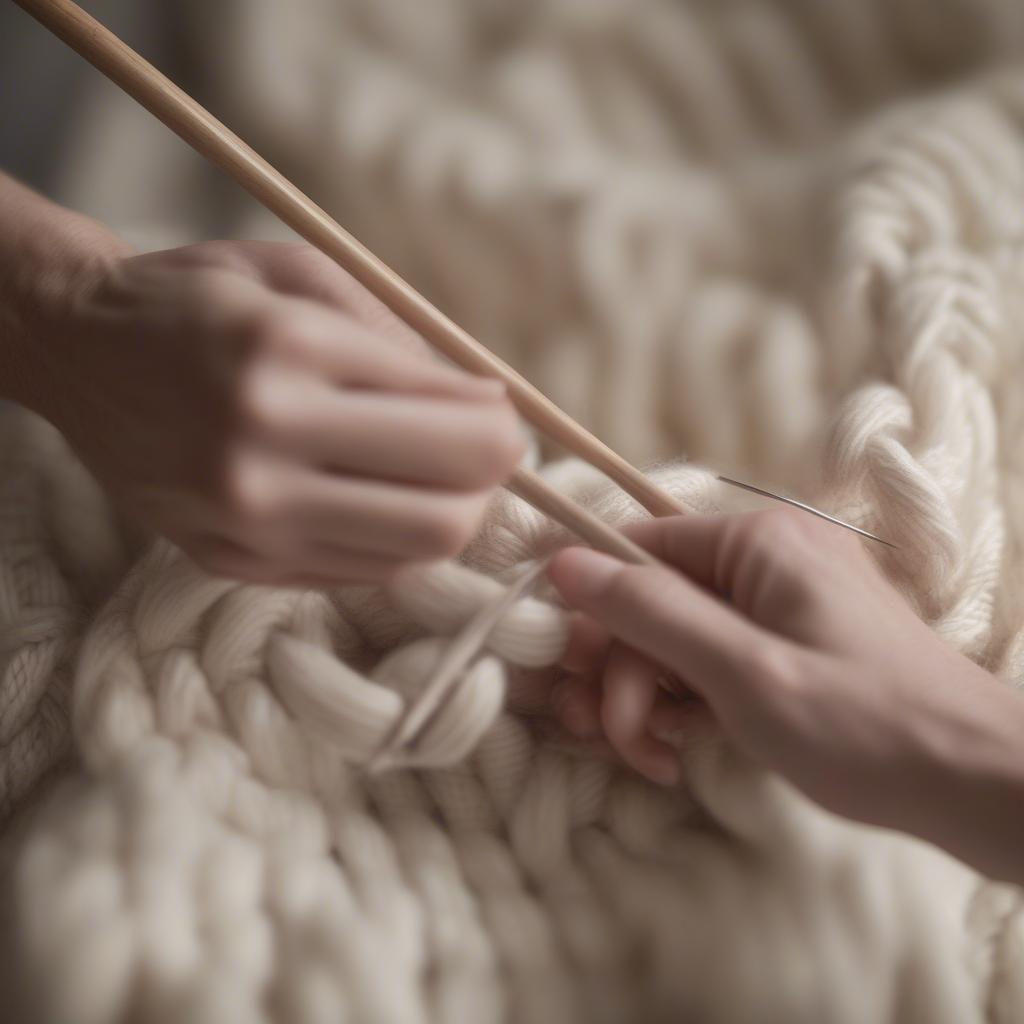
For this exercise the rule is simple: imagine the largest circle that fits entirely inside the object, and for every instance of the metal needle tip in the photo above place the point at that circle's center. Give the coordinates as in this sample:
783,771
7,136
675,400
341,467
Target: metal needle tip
806,508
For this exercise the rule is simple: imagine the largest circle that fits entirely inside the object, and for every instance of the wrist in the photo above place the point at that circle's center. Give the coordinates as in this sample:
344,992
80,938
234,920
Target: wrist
48,256
979,779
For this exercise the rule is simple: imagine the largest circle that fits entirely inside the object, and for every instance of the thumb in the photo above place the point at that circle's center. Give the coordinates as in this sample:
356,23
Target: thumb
666,616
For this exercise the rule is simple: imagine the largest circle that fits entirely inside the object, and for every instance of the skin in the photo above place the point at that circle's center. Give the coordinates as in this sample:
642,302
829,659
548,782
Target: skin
254,404
805,656
248,400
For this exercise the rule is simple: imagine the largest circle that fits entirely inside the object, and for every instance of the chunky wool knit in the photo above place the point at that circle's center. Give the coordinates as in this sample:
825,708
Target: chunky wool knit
782,238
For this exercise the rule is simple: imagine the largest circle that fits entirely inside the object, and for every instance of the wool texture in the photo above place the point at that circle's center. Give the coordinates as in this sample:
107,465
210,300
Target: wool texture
781,238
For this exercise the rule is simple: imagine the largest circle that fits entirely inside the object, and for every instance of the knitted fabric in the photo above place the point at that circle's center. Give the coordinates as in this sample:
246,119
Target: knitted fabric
779,237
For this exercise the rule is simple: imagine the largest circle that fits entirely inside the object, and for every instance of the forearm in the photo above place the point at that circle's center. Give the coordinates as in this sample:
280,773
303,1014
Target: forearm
44,250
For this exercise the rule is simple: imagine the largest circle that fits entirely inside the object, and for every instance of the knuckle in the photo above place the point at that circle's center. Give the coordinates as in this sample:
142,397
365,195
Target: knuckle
208,290
246,492
218,256
775,667
256,401
774,528
306,257
370,313
298,252
272,335
759,547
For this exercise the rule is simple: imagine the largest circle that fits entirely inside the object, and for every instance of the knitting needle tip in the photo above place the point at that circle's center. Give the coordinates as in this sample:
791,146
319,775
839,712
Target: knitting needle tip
806,508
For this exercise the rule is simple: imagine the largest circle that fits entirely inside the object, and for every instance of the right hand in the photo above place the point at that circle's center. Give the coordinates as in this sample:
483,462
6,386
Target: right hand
257,406
812,663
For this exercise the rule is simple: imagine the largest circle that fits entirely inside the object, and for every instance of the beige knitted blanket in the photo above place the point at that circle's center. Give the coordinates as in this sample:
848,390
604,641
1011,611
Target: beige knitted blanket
782,238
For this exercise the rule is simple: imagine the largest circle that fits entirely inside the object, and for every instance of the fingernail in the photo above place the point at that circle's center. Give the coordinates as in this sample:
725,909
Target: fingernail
586,573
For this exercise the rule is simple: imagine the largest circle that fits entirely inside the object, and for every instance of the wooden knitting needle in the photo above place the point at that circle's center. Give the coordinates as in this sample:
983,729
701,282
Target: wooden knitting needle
204,133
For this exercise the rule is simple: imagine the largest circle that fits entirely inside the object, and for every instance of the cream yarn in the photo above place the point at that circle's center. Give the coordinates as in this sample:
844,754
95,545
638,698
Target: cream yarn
782,237
218,854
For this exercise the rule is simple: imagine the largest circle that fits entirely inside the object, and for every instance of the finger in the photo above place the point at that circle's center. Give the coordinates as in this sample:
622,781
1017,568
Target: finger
406,438
664,615
350,354
379,518
630,690
738,555
691,543
265,503
365,363
304,271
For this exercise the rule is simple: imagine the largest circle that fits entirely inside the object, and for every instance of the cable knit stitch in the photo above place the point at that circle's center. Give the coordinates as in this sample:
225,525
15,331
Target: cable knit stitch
777,236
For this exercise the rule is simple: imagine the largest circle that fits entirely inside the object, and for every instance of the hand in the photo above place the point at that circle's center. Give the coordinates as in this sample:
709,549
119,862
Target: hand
253,403
810,662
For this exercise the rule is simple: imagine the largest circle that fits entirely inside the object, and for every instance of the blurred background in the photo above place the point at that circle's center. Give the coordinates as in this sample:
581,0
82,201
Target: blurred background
630,200
45,85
